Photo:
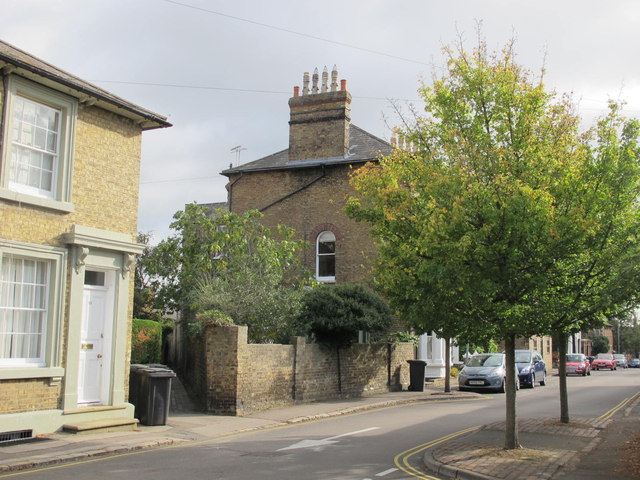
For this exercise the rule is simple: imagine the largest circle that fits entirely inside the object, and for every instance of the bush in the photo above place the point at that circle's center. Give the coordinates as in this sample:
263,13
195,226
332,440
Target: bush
600,345
335,313
403,337
146,341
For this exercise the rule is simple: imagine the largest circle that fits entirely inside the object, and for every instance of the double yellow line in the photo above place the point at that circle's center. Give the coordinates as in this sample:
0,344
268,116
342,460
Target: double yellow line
402,459
620,406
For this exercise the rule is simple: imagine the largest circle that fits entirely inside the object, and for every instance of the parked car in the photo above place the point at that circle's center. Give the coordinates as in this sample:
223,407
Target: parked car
531,368
604,361
578,364
634,363
485,371
621,360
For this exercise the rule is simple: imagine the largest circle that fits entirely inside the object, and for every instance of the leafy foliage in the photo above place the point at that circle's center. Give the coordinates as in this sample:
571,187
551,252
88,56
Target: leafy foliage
145,304
600,345
231,263
505,220
335,313
146,341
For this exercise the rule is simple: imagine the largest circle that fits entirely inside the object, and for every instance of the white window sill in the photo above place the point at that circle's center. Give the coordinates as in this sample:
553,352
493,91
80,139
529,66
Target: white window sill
18,197
15,373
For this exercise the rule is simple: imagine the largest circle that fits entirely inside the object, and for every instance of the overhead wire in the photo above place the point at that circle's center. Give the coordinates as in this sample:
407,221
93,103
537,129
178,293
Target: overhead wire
294,32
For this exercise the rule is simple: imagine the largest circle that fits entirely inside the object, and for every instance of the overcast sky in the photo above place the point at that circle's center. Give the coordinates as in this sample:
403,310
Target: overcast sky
223,71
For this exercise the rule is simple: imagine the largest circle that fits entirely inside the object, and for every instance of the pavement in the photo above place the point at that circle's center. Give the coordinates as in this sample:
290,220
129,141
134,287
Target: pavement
586,448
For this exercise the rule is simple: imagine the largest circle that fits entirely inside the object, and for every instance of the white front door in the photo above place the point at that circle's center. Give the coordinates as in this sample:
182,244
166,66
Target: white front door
95,338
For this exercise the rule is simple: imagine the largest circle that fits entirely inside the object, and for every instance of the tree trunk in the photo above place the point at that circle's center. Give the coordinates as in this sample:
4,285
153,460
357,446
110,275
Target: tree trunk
511,438
562,371
447,365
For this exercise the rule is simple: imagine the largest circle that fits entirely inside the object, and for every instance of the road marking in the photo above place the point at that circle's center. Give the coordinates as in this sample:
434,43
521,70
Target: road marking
622,404
323,441
402,459
386,472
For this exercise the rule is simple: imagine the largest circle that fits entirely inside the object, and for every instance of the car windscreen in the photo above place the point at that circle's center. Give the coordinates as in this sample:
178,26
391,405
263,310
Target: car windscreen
574,358
485,361
523,357
604,355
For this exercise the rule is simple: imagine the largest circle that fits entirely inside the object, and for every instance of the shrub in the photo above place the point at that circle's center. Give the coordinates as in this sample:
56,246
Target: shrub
146,341
335,313
403,337
600,345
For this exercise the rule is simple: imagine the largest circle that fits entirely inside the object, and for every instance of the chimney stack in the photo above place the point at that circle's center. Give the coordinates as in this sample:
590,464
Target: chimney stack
320,118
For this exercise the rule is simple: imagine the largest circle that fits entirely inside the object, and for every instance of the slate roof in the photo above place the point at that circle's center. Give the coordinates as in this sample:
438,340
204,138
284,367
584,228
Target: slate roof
364,147
42,72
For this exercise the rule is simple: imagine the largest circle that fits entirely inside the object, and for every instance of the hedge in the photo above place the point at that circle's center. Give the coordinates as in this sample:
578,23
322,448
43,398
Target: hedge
146,341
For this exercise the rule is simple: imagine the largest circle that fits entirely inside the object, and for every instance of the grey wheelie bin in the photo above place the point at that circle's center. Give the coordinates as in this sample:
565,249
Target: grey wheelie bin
151,392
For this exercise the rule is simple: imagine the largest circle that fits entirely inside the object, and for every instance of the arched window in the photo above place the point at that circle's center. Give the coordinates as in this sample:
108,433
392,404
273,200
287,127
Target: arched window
326,257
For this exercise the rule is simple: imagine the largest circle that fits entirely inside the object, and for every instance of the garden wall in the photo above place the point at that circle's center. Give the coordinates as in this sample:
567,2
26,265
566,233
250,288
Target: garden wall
242,378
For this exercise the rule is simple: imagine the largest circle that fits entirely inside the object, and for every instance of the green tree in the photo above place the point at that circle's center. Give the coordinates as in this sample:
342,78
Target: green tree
482,225
336,313
630,340
600,280
145,305
600,345
231,263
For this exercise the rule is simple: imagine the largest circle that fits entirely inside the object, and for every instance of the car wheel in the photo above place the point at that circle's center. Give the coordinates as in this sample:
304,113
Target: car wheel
543,382
532,379
584,374
503,387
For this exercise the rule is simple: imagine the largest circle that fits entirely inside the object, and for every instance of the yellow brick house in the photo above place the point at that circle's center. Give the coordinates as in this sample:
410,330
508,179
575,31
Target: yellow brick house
69,175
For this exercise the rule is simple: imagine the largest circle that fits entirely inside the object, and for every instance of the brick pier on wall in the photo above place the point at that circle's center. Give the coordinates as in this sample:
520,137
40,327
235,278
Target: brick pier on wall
242,378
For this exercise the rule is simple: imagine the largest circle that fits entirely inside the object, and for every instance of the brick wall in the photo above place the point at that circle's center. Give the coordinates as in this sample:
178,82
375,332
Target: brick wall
321,205
319,125
105,178
242,377
28,395
105,175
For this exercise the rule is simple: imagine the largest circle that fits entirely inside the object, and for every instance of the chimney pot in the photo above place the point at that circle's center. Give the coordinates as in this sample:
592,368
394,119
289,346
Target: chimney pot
296,91
343,85
305,83
334,79
314,82
325,80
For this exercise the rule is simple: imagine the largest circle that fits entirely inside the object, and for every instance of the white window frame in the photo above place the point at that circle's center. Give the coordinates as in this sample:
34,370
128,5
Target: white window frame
49,363
60,196
328,278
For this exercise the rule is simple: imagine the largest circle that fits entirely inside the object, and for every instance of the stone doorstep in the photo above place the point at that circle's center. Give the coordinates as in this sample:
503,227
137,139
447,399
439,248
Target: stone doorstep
101,426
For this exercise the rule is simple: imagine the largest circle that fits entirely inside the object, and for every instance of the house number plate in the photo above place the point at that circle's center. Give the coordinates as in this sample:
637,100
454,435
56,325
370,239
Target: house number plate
87,346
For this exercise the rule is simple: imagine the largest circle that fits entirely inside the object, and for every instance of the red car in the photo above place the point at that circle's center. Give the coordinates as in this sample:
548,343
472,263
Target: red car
577,364
604,361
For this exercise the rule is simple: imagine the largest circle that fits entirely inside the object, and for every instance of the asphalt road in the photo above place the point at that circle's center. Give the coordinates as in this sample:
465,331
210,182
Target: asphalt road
374,445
